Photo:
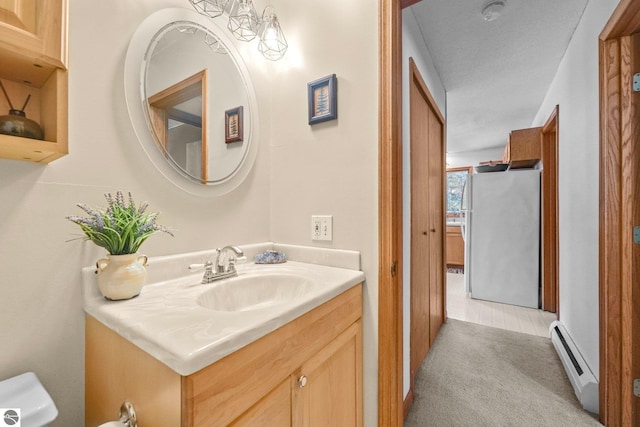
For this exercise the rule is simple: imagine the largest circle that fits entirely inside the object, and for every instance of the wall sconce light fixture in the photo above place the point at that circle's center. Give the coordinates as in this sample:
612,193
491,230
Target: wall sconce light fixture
243,20
245,24
210,8
272,44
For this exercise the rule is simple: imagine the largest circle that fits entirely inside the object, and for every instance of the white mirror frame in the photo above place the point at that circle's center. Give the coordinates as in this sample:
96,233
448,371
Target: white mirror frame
134,80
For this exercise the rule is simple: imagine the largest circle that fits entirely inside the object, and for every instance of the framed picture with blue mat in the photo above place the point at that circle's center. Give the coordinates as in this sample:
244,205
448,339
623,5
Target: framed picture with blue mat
323,99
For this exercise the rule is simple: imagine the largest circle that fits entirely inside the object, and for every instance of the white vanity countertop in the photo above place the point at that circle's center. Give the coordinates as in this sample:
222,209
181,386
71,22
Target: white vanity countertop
166,321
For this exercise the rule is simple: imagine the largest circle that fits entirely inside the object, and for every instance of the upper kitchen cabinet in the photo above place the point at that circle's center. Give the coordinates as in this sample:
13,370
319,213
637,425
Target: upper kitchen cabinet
523,148
33,54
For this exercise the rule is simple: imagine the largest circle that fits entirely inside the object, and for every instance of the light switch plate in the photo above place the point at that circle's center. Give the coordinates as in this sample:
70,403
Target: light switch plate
322,227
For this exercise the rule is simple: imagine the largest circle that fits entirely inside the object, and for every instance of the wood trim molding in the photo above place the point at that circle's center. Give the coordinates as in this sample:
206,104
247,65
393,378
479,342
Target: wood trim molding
619,175
390,361
415,74
625,20
407,3
462,168
550,218
408,401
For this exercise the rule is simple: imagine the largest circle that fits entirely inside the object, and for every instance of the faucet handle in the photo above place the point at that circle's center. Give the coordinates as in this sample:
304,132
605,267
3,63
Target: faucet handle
236,260
208,271
206,265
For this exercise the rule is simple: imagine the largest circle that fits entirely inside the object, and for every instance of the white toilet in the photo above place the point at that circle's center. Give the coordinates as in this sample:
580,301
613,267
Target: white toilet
25,402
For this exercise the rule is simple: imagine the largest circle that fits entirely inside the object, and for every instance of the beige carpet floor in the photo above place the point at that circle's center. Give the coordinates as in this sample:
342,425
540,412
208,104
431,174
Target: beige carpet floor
482,376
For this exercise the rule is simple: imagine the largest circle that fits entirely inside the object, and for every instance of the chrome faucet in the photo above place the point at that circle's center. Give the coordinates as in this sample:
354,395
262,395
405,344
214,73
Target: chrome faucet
223,267
230,268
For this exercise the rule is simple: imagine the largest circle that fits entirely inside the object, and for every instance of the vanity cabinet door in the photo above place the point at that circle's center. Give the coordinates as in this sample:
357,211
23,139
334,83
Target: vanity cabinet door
272,410
327,389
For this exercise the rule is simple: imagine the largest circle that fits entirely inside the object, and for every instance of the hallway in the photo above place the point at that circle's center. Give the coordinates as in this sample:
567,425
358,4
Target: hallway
503,316
476,375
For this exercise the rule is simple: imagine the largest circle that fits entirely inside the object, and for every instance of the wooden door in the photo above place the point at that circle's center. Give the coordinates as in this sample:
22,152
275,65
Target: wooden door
427,219
420,329
327,390
436,214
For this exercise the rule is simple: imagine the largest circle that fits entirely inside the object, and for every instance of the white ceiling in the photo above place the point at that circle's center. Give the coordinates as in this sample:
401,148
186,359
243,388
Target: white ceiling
495,73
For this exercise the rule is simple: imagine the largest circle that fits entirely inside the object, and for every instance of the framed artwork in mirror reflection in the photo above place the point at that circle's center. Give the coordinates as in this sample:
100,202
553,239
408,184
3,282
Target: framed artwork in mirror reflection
323,99
233,125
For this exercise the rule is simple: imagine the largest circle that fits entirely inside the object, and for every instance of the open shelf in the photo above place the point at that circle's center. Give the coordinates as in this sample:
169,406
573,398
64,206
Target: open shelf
16,148
33,54
48,106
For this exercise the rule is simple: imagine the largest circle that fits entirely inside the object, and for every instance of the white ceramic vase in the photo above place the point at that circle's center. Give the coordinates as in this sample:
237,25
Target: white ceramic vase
121,276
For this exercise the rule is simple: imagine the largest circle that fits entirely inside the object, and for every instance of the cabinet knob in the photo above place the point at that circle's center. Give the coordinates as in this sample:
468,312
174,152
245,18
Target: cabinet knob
433,230
302,381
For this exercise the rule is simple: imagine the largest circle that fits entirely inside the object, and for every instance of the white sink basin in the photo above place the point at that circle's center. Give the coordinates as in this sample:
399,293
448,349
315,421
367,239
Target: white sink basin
254,292
187,325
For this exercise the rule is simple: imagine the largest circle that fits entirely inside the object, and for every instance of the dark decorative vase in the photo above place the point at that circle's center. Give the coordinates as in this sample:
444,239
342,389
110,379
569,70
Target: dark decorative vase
16,123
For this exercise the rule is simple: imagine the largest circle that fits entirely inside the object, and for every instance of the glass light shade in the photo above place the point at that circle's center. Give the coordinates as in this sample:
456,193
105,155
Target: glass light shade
210,8
272,44
243,20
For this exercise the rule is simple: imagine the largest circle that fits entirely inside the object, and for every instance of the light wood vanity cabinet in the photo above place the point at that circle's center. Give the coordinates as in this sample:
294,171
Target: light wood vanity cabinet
524,148
455,246
33,54
306,373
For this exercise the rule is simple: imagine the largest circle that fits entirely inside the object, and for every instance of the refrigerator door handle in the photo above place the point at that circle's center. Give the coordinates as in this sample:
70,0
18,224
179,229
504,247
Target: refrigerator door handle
465,207
465,204
463,229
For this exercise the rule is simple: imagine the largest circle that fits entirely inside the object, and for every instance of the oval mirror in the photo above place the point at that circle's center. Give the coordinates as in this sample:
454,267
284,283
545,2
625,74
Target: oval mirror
191,101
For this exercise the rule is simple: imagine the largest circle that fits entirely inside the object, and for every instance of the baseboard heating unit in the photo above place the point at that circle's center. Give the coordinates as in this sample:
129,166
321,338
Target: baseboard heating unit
584,383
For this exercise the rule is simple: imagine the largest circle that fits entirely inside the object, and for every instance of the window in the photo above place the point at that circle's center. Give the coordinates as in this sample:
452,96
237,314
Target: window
456,177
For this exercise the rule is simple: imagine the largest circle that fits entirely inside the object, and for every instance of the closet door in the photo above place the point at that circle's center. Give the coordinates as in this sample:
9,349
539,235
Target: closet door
427,219
437,225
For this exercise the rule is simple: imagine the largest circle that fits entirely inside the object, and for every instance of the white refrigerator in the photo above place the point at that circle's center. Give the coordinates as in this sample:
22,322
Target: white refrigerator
502,237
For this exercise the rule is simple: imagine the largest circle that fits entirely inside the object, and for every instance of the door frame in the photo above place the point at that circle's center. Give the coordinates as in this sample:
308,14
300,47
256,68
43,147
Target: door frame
619,175
550,223
390,359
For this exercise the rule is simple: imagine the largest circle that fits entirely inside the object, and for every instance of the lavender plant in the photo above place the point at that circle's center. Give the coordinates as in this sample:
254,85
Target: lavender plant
120,228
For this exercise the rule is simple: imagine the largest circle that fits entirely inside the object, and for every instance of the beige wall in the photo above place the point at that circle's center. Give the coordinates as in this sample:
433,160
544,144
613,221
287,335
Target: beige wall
575,89
42,318
329,168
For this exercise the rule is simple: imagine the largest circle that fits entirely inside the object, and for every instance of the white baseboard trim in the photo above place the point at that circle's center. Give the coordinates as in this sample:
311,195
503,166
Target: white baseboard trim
582,379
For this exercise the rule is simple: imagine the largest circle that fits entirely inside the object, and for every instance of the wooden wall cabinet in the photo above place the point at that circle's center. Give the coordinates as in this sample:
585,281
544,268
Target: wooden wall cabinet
524,148
306,373
33,54
455,246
